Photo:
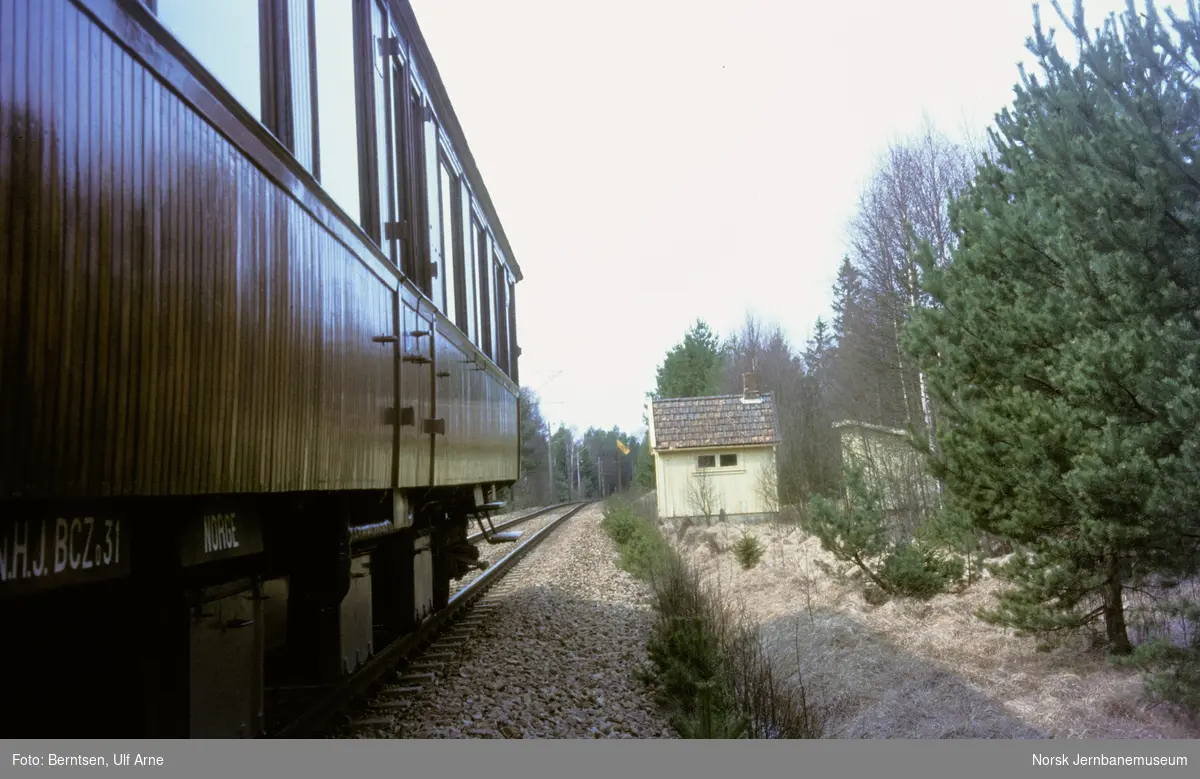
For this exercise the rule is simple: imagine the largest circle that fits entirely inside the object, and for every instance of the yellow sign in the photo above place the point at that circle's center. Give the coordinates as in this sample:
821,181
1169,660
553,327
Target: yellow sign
624,449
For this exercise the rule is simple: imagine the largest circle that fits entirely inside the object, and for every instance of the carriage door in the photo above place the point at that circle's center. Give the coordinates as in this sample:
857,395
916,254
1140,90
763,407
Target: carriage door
416,385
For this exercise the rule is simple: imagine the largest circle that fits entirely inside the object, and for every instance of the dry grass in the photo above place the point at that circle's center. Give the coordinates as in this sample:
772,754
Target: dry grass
920,669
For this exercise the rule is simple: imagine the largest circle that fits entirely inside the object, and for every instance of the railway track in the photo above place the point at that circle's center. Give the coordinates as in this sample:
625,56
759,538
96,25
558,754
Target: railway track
522,519
493,553
413,660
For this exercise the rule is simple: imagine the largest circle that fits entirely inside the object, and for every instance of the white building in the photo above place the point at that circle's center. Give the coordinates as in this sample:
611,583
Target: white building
716,454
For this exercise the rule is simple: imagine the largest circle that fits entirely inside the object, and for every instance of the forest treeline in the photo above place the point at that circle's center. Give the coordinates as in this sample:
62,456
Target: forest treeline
559,464
1028,312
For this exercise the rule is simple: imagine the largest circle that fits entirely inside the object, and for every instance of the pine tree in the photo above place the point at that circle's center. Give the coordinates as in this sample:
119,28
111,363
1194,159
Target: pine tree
1064,346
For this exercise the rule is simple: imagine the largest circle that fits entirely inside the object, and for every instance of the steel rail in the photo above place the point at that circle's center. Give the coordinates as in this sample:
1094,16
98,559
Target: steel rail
477,536
317,717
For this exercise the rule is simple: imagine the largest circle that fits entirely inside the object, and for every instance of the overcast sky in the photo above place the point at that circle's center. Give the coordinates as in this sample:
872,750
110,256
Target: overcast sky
655,161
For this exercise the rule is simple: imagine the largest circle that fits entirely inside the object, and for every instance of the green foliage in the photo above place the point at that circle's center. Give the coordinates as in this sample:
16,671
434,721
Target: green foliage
561,444
712,718
748,551
533,487
848,298
643,550
603,468
854,528
685,647
644,475
1063,347
920,573
952,531
692,368
688,656
1173,671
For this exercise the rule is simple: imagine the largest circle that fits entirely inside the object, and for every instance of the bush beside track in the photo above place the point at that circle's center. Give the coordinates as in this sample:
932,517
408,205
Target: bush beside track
710,666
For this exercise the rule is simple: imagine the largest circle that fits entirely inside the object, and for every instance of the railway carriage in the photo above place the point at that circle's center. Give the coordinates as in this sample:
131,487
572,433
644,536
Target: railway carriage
258,355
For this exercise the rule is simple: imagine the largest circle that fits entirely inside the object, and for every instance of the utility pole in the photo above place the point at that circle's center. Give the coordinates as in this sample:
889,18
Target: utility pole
600,467
550,438
550,449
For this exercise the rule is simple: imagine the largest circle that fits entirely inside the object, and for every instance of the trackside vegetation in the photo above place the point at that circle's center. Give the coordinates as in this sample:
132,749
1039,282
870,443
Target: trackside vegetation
709,665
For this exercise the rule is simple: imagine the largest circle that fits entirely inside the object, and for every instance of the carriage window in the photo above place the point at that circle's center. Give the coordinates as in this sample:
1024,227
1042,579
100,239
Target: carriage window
706,461
300,57
485,305
421,206
470,315
223,35
510,308
728,460
381,67
448,186
403,205
501,320
337,109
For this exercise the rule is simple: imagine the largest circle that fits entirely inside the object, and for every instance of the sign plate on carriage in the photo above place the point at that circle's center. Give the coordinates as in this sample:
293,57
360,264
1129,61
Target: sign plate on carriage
55,551
220,534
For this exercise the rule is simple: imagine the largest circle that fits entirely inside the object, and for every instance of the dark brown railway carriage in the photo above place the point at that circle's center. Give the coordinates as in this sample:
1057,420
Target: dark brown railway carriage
258,364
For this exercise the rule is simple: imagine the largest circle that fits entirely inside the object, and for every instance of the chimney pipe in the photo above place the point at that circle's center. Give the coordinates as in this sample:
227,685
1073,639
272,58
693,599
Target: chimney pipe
750,386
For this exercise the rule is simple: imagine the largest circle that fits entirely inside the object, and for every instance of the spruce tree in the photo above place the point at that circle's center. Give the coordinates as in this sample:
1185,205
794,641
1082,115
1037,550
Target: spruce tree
818,352
693,367
856,369
1064,346
847,300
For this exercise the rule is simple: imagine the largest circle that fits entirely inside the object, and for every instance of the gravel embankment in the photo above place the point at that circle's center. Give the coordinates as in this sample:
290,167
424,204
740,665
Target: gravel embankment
558,659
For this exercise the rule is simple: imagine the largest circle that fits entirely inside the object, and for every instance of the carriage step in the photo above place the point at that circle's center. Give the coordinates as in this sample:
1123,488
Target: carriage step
486,509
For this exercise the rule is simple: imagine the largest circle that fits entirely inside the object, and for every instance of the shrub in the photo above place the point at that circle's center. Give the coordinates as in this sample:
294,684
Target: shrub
922,574
748,551
642,547
951,529
853,529
1172,671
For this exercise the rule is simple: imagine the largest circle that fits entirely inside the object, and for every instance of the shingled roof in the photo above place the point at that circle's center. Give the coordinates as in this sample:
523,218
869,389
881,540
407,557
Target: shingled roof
721,420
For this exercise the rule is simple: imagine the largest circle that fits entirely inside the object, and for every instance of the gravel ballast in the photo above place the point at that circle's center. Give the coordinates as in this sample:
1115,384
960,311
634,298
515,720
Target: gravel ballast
559,656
